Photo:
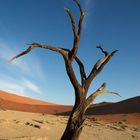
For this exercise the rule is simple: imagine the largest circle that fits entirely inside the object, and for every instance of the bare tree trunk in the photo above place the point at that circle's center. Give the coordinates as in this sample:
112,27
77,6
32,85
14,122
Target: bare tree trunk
75,123
74,127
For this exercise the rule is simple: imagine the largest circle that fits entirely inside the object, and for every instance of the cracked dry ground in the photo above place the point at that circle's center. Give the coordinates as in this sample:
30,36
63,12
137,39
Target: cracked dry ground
16,125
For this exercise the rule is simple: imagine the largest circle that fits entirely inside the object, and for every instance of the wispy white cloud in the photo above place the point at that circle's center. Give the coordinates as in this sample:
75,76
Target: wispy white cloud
87,8
24,87
12,88
8,52
30,66
22,76
31,86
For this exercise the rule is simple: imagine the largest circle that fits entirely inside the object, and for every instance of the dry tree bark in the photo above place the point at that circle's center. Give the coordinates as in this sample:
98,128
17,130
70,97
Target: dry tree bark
82,102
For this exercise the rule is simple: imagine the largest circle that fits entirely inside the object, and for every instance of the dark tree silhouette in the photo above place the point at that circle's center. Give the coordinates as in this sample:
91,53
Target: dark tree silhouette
82,102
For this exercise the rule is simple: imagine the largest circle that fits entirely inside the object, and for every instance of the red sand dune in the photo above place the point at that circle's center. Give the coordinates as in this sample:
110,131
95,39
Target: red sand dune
131,105
20,99
19,103
128,106
127,110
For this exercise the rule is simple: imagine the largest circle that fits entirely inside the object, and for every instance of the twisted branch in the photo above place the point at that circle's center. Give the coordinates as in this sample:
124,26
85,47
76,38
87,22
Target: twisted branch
105,52
99,91
82,14
35,45
81,67
72,21
79,5
99,65
77,34
95,94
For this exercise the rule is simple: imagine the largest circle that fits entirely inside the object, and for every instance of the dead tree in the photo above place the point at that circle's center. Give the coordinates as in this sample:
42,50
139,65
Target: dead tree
82,102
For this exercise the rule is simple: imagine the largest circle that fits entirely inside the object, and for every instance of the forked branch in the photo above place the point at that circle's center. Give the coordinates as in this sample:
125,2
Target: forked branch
82,70
99,65
103,51
36,45
79,5
90,99
81,67
72,22
82,14
21,54
77,33
99,91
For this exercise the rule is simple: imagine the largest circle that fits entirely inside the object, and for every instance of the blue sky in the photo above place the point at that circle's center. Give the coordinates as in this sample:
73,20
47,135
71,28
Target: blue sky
41,74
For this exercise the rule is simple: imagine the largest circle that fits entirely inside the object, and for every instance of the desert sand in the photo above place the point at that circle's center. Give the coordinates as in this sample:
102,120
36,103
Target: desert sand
23,118
16,125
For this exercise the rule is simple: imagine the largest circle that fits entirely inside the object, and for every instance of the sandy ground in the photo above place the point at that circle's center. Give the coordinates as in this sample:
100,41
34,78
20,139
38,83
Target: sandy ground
131,118
16,125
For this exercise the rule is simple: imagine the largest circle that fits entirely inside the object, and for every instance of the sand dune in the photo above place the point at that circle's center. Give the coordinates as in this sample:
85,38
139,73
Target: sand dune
20,99
19,103
131,105
127,110
128,106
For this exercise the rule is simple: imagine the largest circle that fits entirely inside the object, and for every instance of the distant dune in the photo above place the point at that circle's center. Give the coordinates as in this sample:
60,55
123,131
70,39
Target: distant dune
10,101
131,105
128,106
20,99
128,110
